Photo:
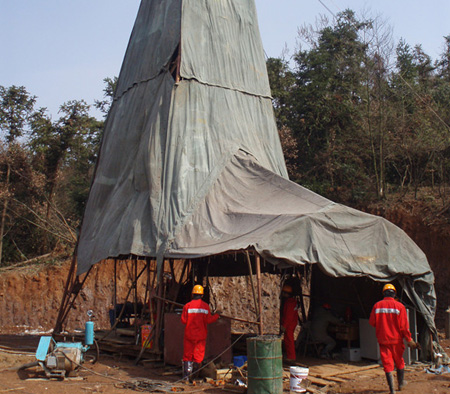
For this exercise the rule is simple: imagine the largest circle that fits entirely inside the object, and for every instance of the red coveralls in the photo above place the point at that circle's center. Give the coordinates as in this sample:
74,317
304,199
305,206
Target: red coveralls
196,315
289,319
389,318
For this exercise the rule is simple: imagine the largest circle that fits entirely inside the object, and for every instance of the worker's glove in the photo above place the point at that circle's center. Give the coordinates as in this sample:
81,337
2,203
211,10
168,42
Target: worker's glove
413,345
282,330
218,312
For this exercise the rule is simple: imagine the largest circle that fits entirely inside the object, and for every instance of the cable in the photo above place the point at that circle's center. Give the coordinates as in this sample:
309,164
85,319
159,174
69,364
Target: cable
214,359
331,12
4,349
162,385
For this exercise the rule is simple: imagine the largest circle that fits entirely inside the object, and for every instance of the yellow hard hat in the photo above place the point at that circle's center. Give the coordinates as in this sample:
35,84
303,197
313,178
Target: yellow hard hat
198,289
389,286
287,289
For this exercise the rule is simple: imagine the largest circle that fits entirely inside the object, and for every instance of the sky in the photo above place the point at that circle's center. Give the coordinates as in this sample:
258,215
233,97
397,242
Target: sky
61,50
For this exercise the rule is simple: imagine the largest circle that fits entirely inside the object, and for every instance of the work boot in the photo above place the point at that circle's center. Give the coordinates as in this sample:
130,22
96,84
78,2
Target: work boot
187,369
195,372
401,378
390,380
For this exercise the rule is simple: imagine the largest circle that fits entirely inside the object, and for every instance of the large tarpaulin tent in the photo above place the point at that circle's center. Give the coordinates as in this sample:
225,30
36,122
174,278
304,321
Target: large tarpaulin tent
191,163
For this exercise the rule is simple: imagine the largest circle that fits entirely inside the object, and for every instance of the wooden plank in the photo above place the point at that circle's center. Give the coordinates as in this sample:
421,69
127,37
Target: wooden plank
306,384
335,379
352,370
222,374
320,381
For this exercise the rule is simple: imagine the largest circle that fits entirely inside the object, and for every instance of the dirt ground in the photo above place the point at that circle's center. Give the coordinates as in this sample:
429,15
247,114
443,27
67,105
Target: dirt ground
30,298
112,375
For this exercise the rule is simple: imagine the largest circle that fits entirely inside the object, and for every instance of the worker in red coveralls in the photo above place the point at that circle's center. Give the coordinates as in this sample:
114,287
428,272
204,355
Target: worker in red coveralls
389,318
196,316
289,319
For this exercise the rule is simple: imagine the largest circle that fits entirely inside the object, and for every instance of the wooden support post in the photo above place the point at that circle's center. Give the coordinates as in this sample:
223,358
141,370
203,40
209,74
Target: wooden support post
302,302
115,291
179,282
172,270
135,303
250,271
147,286
75,288
258,277
66,296
159,305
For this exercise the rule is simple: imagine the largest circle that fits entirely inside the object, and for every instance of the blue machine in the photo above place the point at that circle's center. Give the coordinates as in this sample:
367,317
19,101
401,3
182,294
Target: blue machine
60,358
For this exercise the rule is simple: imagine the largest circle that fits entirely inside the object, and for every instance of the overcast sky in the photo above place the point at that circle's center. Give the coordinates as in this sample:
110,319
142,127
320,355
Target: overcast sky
62,49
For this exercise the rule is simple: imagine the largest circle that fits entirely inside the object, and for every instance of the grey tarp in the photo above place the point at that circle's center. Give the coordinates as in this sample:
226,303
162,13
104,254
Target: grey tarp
195,168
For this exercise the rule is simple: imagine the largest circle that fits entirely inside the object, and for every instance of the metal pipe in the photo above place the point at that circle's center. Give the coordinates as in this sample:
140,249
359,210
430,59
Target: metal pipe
258,277
221,315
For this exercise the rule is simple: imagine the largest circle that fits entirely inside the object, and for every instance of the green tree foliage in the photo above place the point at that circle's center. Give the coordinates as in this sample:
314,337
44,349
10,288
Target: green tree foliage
44,177
19,183
362,127
16,105
65,151
108,95
282,81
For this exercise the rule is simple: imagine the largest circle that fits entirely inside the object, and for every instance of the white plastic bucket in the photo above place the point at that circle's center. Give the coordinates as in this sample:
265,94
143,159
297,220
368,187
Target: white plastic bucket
297,375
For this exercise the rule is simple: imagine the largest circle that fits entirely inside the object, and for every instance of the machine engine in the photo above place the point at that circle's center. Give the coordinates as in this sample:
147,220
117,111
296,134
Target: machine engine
65,358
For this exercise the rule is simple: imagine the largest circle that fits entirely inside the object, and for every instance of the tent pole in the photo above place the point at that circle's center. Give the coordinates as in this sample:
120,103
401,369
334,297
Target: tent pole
159,305
186,263
258,277
179,282
249,263
172,270
115,291
74,291
302,303
147,287
135,306
61,312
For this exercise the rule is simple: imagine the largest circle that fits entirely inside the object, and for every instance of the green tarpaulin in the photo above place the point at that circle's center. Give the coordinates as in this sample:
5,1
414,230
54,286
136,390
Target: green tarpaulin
195,168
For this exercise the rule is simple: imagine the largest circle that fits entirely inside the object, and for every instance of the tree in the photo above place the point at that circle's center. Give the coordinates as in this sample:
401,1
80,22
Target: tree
282,81
16,105
108,95
65,151
326,102
420,132
352,126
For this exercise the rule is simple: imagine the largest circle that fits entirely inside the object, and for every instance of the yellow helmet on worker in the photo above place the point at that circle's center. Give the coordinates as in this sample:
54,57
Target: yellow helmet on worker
198,289
389,286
